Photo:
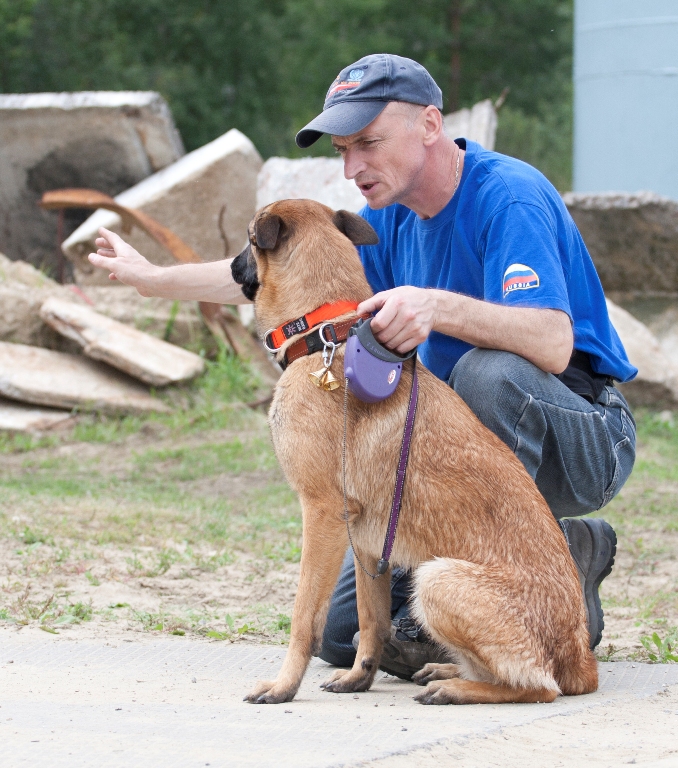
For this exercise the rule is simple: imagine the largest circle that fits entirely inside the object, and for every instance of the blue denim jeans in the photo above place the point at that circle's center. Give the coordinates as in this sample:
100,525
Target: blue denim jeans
579,454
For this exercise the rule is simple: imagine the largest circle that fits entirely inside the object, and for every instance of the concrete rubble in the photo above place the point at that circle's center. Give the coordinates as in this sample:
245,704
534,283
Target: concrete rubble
632,238
23,290
656,384
180,322
106,140
153,361
24,419
207,198
312,178
61,380
477,124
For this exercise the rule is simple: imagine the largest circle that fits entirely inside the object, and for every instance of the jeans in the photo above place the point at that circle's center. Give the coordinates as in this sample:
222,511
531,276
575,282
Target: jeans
579,454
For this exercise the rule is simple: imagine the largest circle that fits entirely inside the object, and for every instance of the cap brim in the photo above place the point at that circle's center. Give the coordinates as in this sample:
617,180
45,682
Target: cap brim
340,120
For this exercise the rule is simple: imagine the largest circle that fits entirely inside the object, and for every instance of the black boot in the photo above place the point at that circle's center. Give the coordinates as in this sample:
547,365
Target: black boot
593,544
408,650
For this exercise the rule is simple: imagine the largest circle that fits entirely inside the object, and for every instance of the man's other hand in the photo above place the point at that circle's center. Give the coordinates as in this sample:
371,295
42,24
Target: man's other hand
405,316
123,262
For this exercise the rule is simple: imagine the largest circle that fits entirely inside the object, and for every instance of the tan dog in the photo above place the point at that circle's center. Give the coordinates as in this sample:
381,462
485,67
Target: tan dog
495,582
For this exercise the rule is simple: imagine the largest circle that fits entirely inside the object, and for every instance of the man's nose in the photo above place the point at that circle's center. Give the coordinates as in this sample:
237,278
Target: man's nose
353,165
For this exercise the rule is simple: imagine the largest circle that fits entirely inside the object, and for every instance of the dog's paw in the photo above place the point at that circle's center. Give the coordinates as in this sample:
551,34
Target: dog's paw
269,692
438,692
346,681
431,672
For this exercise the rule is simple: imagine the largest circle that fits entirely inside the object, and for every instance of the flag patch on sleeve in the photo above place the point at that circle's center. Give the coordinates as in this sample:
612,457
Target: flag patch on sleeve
519,277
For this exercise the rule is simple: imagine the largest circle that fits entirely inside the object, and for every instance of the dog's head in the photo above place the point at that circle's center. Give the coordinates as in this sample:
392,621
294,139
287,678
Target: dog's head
300,255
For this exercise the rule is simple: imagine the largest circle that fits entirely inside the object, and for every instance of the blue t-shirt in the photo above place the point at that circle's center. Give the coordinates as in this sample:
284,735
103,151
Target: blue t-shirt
505,237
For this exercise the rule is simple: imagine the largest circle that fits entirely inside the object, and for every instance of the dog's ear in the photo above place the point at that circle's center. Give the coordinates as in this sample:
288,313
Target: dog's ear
358,231
267,231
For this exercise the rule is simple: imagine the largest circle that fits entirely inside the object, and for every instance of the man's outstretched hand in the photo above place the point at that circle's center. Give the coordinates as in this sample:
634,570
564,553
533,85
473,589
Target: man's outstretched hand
405,316
122,261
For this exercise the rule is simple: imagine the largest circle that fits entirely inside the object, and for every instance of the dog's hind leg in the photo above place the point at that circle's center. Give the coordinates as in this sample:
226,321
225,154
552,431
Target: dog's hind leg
480,612
323,548
374,618
474,692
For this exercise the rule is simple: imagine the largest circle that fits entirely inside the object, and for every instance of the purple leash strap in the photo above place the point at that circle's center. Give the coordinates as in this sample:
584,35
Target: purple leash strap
382,564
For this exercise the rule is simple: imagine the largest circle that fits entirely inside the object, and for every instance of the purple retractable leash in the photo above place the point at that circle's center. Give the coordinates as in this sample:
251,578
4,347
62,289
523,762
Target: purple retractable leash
372,373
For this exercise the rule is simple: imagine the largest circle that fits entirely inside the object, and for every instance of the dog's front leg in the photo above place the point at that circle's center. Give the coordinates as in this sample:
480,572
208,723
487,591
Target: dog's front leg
323,548
374,619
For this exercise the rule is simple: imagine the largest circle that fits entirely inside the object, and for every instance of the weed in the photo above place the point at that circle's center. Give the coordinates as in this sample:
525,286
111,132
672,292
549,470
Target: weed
661,651
92,579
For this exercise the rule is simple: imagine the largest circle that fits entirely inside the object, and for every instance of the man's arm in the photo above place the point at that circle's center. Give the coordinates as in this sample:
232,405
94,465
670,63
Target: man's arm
407,315
209,281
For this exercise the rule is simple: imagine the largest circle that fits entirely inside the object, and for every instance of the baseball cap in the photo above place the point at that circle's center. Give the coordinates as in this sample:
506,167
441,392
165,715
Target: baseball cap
363,89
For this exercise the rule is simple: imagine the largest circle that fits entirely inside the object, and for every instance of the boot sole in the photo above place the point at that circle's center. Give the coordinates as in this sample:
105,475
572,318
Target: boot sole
604,550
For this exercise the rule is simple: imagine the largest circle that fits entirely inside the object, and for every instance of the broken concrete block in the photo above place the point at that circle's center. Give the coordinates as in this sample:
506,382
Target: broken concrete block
477,124
21,418
312,178
60,380
632,238
105,140
210,191
23,290
656,384
179,322
151,360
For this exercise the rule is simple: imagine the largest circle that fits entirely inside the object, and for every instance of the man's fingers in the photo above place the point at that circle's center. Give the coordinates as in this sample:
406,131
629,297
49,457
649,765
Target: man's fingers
110,237
101,260
372,304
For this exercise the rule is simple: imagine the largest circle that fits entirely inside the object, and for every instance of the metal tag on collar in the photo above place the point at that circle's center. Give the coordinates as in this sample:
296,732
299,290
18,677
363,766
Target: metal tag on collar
372,370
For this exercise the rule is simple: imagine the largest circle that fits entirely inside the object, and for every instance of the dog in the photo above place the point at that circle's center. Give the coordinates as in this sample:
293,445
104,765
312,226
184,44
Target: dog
495,584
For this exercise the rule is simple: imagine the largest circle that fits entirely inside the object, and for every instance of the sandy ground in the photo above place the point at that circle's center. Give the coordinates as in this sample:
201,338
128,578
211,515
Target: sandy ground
175,701
635,732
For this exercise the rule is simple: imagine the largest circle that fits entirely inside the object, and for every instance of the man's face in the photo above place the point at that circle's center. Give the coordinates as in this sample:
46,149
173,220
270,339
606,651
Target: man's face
384,159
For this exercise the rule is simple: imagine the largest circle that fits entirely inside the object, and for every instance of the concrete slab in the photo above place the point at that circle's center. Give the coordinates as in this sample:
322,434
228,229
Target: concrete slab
207,192
632,239
21,418
100,139
311,178
23,289
656,384
151,360
178,702
477,124
60,380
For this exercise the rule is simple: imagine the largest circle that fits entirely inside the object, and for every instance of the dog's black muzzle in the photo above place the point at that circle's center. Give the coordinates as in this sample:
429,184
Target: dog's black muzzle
244,271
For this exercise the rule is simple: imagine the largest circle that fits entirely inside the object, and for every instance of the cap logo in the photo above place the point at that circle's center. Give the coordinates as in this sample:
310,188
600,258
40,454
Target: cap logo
353,81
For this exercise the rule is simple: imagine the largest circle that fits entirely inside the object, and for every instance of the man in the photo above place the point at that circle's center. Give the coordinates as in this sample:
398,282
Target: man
480,264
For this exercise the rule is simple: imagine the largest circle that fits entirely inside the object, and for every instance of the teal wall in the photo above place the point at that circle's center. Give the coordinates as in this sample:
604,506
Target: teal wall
626,96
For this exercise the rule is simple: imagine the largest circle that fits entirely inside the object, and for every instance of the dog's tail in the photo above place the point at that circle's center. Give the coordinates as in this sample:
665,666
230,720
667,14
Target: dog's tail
577,670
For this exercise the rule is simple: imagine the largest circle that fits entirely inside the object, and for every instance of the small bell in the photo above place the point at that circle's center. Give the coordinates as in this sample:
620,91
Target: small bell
329,381
317,377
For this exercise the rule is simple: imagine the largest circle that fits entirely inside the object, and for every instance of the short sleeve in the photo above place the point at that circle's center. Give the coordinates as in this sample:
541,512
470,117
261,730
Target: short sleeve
521,260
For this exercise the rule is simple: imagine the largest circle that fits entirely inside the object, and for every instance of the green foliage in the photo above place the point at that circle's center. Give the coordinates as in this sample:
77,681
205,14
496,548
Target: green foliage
264,66
542,140
661,651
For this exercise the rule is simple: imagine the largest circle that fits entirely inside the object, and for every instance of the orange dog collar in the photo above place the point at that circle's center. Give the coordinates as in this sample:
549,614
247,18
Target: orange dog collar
275,338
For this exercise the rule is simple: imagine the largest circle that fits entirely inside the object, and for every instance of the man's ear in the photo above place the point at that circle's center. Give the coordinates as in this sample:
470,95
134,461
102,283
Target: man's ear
267,230
358,231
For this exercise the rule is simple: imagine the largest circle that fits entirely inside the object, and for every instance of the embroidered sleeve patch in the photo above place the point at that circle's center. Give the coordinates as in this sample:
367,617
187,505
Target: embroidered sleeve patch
519,277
